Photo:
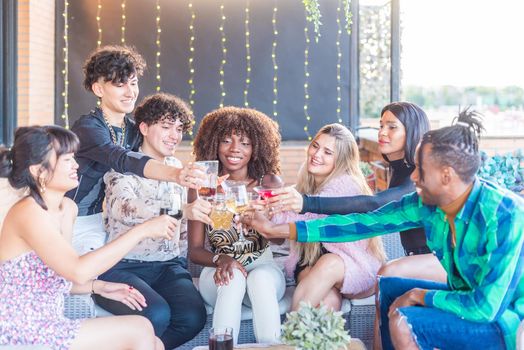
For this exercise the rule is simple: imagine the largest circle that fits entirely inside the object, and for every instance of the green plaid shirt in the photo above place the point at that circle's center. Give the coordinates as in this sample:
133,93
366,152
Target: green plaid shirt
484,268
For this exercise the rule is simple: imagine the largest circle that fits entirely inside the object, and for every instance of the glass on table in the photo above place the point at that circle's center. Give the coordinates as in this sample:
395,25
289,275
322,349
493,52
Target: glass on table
221,338
208,189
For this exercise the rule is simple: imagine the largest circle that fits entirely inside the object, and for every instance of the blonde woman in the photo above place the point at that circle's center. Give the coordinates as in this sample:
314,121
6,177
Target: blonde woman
326,272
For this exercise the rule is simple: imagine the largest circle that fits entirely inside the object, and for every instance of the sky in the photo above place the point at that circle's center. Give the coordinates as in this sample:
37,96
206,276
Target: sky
463,42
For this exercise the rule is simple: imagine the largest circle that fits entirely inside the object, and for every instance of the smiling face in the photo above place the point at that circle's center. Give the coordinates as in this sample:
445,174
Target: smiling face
234,153
117,98
391,136
321,157
161,138
430,188
64,175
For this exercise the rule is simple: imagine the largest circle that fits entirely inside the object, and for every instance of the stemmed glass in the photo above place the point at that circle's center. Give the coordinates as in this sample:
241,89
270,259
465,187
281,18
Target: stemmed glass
268,183
170,197
240,194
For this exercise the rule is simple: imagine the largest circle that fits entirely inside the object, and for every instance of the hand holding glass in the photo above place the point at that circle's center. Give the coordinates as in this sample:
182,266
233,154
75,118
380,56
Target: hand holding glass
208,189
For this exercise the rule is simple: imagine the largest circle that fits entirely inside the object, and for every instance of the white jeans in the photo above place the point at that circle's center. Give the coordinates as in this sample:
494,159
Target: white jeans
88,233
265,286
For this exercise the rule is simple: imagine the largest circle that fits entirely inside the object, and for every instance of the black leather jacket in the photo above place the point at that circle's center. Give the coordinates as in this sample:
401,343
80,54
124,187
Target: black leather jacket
98,154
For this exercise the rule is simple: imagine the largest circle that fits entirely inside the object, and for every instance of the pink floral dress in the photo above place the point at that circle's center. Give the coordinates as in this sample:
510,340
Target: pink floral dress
32,304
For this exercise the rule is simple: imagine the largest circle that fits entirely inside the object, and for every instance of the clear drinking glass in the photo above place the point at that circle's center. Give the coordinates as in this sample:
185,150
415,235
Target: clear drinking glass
170,197
268,183
221,214
239,192
208,189
221,338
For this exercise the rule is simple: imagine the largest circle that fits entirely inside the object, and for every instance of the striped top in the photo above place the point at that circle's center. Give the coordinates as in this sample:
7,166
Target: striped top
484,268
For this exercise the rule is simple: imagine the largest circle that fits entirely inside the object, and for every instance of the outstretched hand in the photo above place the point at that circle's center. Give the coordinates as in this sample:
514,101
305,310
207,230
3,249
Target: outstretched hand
260,223
121,292
191,175
285,199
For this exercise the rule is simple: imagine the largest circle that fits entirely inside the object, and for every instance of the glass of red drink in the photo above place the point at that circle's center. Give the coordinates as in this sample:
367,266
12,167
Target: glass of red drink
221,338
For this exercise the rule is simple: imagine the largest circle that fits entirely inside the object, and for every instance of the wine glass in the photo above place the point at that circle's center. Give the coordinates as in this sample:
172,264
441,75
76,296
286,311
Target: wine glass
240,194
170,197
268,183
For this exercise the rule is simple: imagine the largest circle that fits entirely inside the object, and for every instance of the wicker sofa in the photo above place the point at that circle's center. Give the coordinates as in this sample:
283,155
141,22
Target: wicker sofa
359,313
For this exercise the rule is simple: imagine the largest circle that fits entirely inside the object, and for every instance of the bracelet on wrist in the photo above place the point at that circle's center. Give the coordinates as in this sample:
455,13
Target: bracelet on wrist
93,286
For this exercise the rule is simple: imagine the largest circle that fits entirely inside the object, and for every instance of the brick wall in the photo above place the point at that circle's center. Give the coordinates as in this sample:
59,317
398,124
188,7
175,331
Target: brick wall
36,61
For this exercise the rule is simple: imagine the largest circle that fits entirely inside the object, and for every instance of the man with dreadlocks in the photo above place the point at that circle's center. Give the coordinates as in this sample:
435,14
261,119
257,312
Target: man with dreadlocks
474,228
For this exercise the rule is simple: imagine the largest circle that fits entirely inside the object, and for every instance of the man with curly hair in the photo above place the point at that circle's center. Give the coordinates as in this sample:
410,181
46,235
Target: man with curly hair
246,143
108,140
174,305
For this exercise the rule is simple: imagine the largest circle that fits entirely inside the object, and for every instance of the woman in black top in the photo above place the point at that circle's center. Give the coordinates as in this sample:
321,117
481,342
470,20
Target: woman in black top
402,125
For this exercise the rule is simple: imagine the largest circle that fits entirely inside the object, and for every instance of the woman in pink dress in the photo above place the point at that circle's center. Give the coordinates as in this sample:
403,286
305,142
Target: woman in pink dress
325,272
38,266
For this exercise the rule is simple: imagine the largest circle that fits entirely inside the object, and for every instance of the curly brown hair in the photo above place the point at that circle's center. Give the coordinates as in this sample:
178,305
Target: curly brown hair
114,63
160,106
258,127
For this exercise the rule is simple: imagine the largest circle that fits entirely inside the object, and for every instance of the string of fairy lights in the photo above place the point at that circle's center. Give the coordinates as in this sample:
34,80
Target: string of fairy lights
341,10
339,61
223,61
306,82
190,60
248,55
65,70
274,59
123,25
98,23
158,46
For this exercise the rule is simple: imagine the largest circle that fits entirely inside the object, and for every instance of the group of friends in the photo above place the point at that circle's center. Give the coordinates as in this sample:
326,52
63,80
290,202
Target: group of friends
90,224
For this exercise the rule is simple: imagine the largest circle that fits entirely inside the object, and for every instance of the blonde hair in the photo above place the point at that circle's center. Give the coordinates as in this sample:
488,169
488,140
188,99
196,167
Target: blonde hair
347,161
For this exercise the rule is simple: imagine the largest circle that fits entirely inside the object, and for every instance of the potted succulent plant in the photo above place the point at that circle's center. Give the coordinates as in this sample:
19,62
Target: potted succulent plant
312,328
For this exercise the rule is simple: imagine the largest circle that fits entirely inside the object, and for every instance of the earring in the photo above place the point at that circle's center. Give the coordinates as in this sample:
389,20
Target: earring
41,182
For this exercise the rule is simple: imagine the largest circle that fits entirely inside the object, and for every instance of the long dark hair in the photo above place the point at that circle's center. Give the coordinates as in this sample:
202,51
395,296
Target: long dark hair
415,122
34,145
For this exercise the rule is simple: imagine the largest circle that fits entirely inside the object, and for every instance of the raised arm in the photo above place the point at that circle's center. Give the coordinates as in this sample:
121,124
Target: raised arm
45,237
355,204
96,145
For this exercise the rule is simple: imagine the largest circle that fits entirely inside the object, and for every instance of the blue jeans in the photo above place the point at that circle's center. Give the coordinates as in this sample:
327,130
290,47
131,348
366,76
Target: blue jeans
174,305
431,327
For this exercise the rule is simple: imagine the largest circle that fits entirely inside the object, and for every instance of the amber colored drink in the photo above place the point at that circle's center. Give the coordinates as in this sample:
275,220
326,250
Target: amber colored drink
221,219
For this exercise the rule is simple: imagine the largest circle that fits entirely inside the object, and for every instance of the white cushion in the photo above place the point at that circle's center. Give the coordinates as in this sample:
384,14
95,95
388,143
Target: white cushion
364,302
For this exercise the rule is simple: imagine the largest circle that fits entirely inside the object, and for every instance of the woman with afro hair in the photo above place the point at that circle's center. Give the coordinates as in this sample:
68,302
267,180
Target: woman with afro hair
246,143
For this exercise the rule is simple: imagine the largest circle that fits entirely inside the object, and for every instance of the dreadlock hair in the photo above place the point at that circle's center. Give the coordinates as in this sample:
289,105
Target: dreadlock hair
258,127
457,145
